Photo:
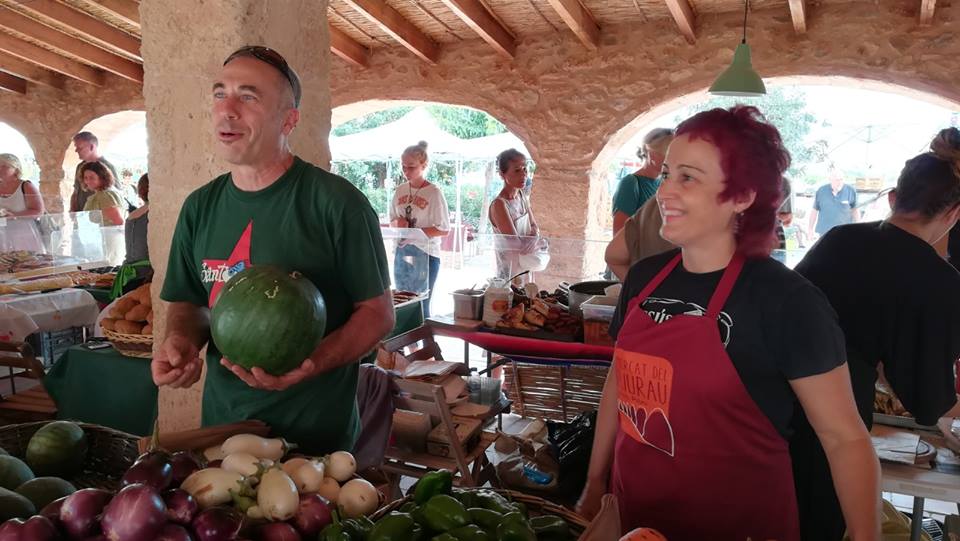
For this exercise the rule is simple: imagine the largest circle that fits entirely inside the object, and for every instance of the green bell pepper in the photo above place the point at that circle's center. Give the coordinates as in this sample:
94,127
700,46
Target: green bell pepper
443,537
408,507
358,528
470,532
467,497
550,526
432,484
494,502
334,531
393,527
485,518
444,513
513,529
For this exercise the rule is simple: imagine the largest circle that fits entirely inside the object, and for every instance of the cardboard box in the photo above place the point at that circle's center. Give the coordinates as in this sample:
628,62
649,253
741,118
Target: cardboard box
468,433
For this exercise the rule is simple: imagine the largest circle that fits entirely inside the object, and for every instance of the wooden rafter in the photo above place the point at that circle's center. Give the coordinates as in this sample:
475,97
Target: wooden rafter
393,23
685,19
580,20
78,48
347,48
30,72
50,60
798,12
128,10
477,17
927,7
86,25
12,83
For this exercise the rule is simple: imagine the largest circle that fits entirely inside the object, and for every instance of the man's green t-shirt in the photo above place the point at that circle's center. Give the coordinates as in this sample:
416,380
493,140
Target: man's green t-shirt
309,221
633,191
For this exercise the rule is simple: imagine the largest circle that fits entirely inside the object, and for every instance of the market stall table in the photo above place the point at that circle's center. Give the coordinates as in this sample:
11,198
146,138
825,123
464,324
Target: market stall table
50,311
104,387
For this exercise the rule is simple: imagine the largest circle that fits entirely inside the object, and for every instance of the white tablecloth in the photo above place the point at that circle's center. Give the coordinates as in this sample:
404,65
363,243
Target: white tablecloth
52,311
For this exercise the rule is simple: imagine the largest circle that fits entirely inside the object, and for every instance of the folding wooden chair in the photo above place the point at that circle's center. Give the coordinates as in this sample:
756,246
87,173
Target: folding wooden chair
34,404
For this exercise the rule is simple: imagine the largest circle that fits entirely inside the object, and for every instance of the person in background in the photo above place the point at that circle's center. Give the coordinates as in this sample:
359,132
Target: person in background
18,198
708,342
897,301
87,147
638,239
636,188
135,234
510,214
418,204
834,204
99,181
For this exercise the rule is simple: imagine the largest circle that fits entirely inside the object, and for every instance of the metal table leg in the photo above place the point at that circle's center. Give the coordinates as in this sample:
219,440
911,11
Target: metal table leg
916,526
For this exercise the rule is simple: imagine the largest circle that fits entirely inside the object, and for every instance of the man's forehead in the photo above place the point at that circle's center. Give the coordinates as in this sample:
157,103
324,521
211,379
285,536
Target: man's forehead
247,71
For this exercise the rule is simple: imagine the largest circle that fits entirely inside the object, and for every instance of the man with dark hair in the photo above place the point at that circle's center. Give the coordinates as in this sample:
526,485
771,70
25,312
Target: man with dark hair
273,208
86,146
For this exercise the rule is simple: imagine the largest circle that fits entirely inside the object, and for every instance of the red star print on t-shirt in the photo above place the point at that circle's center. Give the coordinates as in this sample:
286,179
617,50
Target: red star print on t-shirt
221,270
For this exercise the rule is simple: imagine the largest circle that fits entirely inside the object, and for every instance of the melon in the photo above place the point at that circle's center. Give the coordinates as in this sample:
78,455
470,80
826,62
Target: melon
13,472
43,490
268,318
13,505
643,534
58,448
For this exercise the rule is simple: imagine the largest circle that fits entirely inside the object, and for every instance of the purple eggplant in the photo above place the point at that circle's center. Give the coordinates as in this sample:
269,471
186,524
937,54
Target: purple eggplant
183,464
153,469
52,510
39,528
136,513
217,524
80,512
174,532
11,530
181,507
313,514
277,531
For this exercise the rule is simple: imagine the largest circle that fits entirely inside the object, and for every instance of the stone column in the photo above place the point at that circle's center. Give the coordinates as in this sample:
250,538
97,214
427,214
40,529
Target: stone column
183,47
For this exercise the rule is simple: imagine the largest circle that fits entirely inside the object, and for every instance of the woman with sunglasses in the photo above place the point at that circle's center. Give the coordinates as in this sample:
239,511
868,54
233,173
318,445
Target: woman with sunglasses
897,302
710,362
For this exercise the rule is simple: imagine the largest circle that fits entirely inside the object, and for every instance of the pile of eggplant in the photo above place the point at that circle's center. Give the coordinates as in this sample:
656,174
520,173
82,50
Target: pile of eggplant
249,494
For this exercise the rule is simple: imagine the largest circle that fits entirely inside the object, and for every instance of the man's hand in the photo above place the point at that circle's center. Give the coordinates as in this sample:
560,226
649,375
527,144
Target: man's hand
177,363
945,424
260,379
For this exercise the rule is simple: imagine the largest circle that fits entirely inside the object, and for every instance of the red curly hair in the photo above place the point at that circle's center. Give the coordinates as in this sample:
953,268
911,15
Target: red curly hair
753,159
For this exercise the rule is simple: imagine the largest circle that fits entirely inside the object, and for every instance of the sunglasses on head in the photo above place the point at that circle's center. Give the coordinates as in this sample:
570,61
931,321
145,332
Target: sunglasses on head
274,59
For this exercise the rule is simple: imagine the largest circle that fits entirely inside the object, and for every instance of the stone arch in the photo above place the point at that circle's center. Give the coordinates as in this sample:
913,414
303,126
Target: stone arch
19,129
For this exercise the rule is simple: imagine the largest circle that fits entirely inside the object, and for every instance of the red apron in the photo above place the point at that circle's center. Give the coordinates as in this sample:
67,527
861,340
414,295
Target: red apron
695,458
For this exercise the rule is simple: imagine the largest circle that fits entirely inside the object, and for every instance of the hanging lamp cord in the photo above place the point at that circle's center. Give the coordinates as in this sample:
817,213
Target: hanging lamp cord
746,7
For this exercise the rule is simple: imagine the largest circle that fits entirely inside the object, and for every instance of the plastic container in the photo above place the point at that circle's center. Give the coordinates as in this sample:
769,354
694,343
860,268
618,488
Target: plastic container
468,304
597,315
497,300
484,391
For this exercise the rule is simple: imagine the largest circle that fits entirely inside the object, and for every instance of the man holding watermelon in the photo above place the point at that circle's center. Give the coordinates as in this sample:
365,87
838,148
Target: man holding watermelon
275,209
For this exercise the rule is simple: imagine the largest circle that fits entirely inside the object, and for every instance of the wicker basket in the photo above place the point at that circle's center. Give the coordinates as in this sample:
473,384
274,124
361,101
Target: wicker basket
553,392
536,506
110,452
131,345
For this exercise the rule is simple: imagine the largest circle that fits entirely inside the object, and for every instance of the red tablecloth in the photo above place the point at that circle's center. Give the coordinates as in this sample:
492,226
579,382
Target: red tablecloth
507,345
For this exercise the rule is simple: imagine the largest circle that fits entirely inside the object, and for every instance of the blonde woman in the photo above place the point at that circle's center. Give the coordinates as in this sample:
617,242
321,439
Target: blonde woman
18,198
638,187
418,204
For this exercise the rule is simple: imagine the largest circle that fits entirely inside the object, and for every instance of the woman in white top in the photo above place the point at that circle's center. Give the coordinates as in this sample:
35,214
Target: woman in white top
510,214
18,198
418,204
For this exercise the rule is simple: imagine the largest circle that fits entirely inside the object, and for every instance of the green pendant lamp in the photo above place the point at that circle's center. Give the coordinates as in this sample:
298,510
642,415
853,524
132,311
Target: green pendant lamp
740,79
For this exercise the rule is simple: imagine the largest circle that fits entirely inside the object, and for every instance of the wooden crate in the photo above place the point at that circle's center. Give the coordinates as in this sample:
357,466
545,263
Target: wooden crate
555,393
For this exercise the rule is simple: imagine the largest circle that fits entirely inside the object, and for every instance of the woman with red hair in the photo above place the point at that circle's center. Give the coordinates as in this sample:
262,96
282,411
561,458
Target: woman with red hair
716,344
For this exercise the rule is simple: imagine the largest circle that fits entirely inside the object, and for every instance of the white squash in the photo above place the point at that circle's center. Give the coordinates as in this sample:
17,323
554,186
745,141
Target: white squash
309,477
213,453
341,466
244,463
358,498
291,466
274,448
212,486
330,489
277,495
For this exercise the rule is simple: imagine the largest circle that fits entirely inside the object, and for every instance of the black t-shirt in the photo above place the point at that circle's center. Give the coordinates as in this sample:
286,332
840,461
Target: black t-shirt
899,303
776,326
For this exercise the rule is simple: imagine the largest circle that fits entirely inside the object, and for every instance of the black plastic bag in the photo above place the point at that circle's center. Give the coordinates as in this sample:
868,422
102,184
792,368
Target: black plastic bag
572,443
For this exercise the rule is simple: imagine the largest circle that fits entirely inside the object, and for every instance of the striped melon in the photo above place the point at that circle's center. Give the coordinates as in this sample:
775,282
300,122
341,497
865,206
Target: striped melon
58,448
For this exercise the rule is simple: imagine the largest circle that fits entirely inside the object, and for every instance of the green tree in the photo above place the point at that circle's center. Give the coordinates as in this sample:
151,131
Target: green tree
464,122
373,120
785,108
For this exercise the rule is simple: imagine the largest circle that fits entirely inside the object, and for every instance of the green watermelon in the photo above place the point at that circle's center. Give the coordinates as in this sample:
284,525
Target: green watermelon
13,472
58,448
13,505
44,490
269,318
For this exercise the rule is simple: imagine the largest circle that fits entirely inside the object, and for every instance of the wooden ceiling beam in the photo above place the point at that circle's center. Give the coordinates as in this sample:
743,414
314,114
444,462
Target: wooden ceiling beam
31,72
396,26
78,48
927,8
86,25
685,19
348,48
477,17
128,10
50,60
12,83
580,20
798,12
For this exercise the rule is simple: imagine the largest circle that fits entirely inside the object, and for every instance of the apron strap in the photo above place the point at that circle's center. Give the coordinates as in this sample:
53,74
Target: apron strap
725,286
652,284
